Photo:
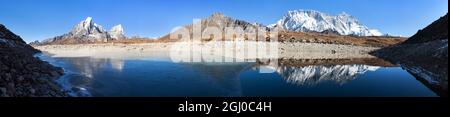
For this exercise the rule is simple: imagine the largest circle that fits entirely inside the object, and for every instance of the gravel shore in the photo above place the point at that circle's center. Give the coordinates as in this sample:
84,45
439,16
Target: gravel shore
285,50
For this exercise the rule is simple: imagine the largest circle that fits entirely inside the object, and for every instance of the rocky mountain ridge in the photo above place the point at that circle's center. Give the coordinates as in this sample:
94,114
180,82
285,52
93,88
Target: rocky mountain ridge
295,21
315,21
87,32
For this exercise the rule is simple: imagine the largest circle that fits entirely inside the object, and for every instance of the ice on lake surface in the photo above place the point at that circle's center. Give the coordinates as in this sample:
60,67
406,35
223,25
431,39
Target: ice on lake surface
160,77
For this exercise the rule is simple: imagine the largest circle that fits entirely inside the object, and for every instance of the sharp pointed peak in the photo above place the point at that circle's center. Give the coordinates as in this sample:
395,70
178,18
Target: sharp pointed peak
89,19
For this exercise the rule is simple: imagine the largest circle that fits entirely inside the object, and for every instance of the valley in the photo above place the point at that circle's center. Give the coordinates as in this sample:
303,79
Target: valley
321,54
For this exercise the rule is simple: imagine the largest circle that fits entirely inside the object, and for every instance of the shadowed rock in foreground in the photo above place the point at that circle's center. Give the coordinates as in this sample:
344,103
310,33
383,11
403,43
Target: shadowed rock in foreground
425,55
23,75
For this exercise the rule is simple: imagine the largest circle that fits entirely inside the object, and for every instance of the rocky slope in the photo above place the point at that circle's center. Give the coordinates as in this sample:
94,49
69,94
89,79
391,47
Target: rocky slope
313,37
221,22
425,55
11,40
86,32
21,74
438,30
315,21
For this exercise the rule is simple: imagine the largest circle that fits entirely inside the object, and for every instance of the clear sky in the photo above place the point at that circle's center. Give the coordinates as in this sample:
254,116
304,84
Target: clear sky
41,19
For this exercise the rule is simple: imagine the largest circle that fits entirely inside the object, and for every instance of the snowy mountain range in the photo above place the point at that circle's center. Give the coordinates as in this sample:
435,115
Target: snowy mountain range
315,21
87,31
297,21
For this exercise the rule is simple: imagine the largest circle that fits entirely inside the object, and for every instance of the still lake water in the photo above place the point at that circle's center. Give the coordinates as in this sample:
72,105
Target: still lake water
86,76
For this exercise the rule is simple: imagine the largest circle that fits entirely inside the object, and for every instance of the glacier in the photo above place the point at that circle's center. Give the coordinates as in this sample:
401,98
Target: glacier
315,21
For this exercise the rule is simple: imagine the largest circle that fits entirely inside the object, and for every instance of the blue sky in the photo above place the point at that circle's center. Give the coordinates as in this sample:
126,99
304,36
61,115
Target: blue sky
41,19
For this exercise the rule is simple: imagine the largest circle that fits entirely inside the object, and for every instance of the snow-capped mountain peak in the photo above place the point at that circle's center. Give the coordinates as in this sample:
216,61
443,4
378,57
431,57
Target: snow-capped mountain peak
87,22
315,21
117,29
116,32
87,31
88,19
87,28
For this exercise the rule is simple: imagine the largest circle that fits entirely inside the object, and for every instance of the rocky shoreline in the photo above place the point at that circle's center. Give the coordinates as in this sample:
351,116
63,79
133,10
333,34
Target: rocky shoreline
427,61
425,55
22,74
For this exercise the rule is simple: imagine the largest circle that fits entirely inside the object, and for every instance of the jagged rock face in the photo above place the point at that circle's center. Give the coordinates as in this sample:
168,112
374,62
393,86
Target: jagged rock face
116,32
438,30
314,21
221,21
86,32
87,29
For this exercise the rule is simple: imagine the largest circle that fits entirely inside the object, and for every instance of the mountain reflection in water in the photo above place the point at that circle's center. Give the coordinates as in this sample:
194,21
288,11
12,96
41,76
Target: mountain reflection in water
311,75
314,71
87,76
